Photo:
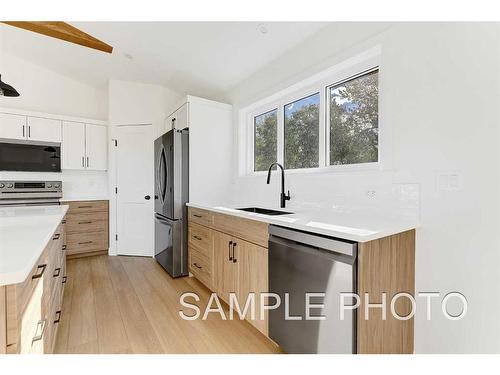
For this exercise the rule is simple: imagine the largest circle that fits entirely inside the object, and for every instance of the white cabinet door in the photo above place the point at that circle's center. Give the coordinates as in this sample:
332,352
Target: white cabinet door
97,147
73,145
44,129
12,126
180,117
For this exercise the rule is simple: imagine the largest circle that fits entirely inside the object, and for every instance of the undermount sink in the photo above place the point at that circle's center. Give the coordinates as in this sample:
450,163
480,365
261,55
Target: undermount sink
264,211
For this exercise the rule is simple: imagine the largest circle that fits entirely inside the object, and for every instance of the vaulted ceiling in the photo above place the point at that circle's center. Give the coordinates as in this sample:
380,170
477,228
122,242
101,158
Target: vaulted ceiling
200,58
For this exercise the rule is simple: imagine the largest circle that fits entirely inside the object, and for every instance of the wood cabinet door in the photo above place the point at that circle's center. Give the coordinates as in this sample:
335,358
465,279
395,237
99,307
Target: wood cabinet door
73,145
96,139
44,129
252,278
12,126
225,270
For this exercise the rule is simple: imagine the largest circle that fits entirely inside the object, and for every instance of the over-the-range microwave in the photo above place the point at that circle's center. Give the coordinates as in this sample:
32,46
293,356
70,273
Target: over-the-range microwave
29,156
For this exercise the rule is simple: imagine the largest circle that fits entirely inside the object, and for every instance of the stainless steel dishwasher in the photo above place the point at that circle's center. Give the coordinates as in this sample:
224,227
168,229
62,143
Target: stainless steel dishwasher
300,263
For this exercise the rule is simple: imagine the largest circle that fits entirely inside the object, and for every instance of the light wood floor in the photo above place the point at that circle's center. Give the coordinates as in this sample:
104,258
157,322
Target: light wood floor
131,305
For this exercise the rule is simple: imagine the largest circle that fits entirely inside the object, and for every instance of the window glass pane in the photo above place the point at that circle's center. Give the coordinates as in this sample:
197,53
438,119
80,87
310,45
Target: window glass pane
302,133
265,138
354,120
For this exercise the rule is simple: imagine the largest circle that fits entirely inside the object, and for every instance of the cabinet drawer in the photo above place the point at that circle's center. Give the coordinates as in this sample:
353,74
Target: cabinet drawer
200,267
203,217
86,206
87,222
85,242
253,231
201,238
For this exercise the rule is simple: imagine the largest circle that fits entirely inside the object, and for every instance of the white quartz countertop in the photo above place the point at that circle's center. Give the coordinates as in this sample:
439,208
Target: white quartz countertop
356,227
84,198
24,233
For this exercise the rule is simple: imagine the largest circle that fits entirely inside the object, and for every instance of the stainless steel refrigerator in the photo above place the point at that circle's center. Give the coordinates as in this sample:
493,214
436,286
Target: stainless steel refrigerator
171,195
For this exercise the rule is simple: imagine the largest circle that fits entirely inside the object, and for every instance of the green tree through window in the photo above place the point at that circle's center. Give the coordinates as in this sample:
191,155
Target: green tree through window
354,120
265,137
302,133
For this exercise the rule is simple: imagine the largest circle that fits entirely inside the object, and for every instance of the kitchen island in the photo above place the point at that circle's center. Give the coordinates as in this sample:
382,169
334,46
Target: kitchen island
32,276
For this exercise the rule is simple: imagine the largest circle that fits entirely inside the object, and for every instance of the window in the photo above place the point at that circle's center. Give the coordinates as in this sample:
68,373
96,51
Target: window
301,126
265,140
354,120
328,121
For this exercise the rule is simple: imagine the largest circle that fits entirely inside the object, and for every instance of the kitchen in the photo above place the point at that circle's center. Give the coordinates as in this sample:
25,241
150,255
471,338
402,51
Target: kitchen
150,197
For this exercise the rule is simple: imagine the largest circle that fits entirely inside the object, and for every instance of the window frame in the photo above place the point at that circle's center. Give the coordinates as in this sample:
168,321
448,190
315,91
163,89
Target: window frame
321,83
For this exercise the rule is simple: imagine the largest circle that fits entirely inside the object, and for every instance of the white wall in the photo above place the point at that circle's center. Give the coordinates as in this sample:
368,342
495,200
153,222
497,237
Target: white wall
439,94
46,91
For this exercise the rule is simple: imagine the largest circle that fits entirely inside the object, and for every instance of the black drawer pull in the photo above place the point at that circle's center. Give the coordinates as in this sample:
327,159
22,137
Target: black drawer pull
234,253
58,314
198,216
39,274
64,279
57,272
85,222
229,247
64,247
84,243
56,236
84,206
64,221
197,238
197,266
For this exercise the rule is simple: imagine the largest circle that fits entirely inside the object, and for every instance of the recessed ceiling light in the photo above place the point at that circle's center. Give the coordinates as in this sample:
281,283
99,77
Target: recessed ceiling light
263,28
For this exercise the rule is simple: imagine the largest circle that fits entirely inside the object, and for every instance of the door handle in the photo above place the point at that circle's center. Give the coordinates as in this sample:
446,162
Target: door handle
147,197
234,253
229,247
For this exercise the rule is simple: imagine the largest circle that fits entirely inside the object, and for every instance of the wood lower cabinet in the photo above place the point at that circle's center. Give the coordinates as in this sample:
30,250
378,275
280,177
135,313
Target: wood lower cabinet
87,228
238,247
235,256
30,311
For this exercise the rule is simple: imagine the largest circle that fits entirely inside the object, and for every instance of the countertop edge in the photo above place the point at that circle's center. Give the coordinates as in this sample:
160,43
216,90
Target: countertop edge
337,234
17,277
83,199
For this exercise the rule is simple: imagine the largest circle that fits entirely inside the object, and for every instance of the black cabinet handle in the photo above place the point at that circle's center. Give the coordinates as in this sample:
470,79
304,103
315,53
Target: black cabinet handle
64,279
84,243
57,272
84,206
56,236
196,215
58,314
64,247
234,253
40,273
63,222
229,247
85,222
197,266
197,238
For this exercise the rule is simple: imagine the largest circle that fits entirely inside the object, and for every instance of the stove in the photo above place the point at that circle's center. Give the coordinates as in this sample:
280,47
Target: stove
30,193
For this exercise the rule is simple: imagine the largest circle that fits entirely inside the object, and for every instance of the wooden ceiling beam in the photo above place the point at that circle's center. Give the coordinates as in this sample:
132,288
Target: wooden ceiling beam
63,31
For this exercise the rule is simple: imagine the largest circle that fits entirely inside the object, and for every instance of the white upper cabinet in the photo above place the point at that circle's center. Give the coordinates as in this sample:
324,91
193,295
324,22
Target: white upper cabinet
73,145
179,119
84,146
12,126
43,129
29,128
97,147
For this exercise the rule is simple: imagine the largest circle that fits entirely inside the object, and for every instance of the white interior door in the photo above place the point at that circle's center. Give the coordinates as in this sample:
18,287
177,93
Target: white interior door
135,182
